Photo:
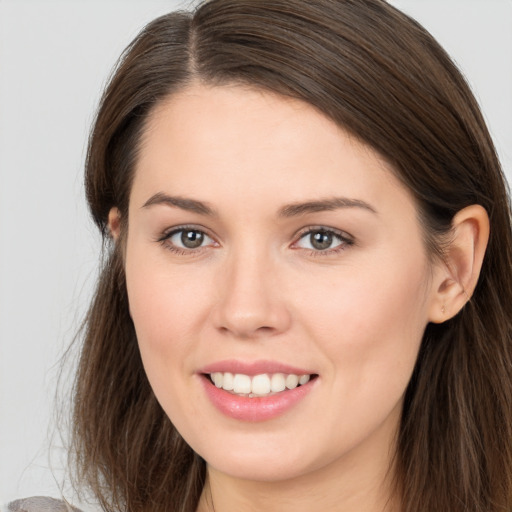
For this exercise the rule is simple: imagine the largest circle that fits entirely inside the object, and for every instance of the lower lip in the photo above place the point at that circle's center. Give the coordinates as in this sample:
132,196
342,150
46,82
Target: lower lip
258,408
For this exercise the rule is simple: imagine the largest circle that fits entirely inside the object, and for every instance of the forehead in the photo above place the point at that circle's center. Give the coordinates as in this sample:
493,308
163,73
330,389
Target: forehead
234,142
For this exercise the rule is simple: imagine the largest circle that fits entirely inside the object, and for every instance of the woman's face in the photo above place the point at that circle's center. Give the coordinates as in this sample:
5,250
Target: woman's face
265,244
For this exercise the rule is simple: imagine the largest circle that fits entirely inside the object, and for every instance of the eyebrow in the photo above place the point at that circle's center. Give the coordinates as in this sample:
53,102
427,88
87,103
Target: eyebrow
290,210
324,205
191,205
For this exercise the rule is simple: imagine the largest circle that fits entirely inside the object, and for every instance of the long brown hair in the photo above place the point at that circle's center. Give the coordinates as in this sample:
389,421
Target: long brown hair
382,77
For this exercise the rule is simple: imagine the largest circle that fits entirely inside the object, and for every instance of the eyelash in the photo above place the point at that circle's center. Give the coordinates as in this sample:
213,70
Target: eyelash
344,238
166,237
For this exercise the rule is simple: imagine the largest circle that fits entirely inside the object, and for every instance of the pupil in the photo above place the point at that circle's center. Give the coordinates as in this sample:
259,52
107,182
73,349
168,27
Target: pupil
321,240
192,239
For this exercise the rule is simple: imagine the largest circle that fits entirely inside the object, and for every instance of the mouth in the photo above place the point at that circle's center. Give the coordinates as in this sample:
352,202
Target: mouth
259,390
258,386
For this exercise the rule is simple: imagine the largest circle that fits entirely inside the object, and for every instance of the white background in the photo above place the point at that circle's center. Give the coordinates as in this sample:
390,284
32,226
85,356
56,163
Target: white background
54,59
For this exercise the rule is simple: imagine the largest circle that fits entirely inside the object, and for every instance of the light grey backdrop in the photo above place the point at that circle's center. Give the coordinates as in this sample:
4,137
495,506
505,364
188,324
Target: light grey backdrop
54,59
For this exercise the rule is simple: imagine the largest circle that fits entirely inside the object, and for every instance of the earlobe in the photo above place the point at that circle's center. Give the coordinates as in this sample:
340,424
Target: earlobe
457,275
114,223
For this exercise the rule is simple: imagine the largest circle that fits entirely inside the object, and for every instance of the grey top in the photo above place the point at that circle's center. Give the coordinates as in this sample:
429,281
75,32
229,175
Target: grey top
40,504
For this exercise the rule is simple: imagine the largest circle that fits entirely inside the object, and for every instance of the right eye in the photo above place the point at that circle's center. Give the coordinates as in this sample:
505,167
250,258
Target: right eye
186,239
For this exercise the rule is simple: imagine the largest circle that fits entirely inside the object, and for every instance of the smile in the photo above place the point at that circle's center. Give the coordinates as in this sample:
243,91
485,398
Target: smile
258,385
256,396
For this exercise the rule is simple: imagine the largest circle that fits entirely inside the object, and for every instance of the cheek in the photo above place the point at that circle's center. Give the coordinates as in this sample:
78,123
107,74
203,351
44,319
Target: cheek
371,324
166,311
165,305
364,301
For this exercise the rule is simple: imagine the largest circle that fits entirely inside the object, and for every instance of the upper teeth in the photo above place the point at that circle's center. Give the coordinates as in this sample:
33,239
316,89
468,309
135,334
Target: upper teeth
259,384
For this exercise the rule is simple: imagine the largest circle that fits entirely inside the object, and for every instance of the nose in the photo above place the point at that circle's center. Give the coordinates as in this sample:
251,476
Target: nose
251,298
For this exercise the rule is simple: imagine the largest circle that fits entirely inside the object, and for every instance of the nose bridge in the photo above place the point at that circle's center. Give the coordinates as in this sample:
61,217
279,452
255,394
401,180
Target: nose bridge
251,302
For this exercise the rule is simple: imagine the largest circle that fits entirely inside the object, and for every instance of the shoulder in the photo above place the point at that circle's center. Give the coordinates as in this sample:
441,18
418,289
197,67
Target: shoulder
39,504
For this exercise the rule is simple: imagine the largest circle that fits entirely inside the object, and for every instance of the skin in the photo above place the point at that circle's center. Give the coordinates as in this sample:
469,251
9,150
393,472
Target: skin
257,288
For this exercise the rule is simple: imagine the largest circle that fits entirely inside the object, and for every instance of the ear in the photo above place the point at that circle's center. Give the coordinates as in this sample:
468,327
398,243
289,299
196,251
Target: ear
114,223
455,278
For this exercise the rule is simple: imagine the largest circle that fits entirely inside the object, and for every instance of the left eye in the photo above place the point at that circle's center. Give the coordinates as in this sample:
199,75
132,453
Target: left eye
189,239
321,240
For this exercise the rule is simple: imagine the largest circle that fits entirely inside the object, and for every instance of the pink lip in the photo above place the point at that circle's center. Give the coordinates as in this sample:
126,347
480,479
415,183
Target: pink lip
253,367
254,409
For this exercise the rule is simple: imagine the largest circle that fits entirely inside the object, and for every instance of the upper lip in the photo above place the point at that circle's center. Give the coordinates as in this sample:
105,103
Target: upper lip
252,368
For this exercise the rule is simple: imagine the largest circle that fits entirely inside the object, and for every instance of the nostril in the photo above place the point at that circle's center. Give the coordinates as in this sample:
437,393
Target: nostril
242,332
265,329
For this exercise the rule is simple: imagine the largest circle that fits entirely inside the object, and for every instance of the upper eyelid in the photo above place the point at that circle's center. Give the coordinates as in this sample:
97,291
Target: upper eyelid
167,233
311,229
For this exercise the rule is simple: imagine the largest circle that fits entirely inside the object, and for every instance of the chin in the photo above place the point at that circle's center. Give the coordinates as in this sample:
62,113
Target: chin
269,458
268,469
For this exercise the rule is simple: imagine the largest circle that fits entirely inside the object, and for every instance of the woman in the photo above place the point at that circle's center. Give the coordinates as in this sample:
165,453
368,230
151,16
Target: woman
306,297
